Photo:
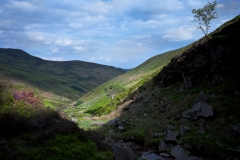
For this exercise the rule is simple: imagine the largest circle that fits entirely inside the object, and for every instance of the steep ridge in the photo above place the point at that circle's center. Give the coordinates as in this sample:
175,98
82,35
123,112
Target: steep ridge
199,119
70,79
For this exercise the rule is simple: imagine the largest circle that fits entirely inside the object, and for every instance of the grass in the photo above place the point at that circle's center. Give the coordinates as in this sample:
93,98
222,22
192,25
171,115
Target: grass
98,103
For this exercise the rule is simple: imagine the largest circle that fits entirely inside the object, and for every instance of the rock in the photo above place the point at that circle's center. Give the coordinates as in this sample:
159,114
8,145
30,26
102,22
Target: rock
152,156
111,122
170,127
120,127
189,114
197,107
171,136
237,128
75,120
206,110
145,114
163,147
165,155
121,153
183,129
201,98
179,151
108,140
197,116
183,157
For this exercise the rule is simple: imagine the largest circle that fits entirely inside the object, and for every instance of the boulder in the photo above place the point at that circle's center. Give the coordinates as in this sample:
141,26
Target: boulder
179,151
197,107
152,156
189,114
171,136
120,127
111,122
183,129
206,110
165,155
121,153
201,98
163,147
183,157
109,141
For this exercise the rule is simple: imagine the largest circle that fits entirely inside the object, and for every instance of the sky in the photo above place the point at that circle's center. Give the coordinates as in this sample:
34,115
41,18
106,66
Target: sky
120,33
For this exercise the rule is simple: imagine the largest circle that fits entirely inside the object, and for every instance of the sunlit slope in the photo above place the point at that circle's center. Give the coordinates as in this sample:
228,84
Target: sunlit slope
100,103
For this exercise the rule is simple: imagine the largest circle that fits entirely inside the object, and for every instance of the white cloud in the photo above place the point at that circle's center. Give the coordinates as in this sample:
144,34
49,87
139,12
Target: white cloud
57,59
80,48
63,42
220,5
92,58
123,60
55,49
178,34
107,59
23,5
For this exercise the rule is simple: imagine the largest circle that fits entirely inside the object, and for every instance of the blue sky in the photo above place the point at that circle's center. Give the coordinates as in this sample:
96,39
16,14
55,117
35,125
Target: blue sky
120,33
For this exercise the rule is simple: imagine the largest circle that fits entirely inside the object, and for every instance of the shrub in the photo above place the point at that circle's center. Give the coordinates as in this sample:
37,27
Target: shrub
27,96
63,147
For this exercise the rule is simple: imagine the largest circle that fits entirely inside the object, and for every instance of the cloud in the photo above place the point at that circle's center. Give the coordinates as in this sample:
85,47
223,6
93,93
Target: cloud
57,59
116,30
178,34
107,59
80,48
123,60
92,58
55,49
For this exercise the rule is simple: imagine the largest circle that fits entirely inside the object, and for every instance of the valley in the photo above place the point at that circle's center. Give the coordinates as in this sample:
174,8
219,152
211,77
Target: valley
173,106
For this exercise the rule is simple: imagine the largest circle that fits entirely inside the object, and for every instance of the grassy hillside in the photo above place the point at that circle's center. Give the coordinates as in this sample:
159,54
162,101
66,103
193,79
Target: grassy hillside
98,102
156,110
28,130
70,79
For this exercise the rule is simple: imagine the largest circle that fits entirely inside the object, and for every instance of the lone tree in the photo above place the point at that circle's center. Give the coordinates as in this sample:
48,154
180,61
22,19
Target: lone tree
204,16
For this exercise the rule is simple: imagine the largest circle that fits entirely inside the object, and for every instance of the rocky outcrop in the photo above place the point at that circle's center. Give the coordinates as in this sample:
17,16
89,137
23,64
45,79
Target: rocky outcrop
199,110
121,153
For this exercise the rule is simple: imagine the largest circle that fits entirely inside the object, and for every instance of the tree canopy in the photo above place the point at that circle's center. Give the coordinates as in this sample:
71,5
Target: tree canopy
204,16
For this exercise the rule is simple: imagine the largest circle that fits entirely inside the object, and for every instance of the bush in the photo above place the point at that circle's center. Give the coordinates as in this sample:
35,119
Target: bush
63,147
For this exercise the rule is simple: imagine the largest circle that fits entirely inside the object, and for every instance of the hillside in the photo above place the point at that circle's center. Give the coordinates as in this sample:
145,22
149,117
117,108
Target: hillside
98,102
29,130
70,79
186,108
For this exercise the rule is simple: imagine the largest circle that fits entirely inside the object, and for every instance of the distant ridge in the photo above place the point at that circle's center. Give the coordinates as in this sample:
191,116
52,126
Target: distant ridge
71,79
